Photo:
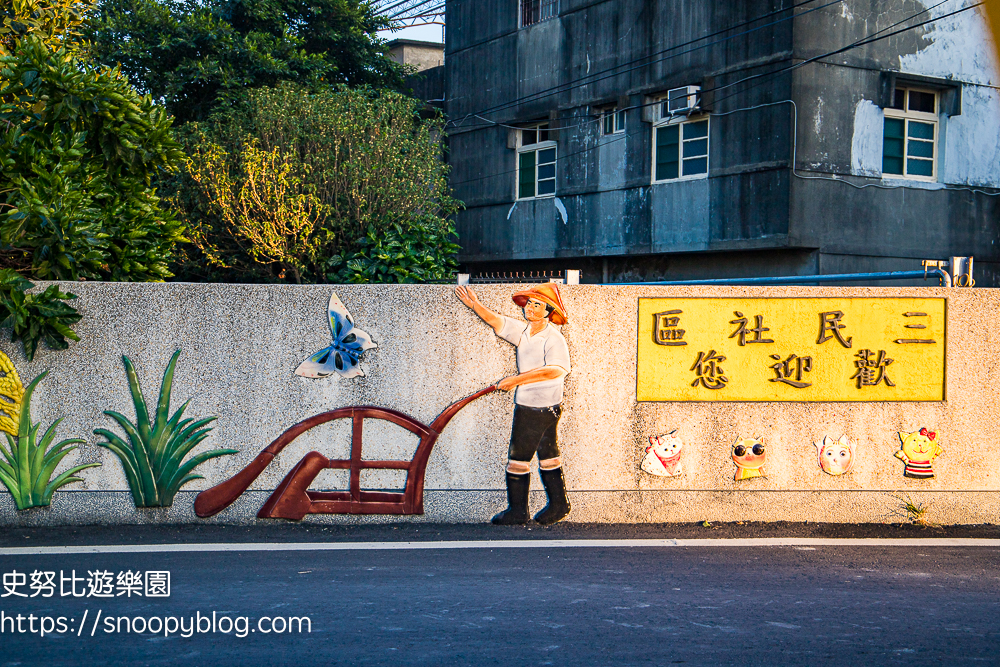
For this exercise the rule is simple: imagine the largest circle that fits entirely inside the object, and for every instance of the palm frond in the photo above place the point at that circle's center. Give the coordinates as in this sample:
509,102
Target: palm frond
138,401
182,475
51,461
8,454
142,465
128,461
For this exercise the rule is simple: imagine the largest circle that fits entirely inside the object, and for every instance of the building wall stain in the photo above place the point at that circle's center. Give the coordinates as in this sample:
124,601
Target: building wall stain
785,147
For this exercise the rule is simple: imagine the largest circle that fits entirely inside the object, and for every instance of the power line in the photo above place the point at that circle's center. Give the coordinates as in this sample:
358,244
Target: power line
759,78
863,41
874,37
637,64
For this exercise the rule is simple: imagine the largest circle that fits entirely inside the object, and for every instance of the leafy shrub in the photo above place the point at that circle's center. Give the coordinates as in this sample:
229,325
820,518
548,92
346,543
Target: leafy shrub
78,150
346,169
414,254
152,453
27,467
260,200
55,22
32,318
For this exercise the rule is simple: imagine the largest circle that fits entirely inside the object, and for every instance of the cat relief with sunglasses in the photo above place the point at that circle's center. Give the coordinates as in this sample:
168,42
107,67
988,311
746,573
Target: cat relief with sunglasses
749,455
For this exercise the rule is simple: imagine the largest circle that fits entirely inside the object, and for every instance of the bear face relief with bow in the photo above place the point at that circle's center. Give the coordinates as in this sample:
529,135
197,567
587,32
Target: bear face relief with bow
749,455
918,450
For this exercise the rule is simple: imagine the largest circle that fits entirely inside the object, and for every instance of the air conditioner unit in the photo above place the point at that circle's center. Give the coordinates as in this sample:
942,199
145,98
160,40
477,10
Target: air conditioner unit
681,100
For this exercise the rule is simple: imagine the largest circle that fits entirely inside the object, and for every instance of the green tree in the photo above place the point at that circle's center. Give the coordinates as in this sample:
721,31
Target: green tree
338,185
55,22
199,55
78,150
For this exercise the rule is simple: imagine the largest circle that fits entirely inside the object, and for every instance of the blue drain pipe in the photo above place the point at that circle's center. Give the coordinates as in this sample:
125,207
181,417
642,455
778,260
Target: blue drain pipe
942,276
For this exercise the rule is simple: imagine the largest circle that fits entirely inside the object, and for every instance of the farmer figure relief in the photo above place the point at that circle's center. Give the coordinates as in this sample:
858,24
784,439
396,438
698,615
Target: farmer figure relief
542,363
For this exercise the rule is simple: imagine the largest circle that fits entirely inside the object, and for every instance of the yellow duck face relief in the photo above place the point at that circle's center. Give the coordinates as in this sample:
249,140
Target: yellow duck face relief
917,451
749,455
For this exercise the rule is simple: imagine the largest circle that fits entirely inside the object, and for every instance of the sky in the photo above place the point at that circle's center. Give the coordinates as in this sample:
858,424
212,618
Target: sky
424,33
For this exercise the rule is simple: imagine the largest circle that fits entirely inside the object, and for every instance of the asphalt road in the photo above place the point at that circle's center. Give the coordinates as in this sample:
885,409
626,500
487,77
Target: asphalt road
527,606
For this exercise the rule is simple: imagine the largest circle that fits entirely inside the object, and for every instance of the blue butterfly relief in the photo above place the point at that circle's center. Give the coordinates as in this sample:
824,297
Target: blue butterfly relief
349,345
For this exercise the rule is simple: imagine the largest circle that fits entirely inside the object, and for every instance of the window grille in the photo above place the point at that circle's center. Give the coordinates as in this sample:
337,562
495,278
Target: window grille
534,11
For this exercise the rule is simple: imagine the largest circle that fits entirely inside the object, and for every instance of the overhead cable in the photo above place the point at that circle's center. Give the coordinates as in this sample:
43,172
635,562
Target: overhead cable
874,37
861,42
637,63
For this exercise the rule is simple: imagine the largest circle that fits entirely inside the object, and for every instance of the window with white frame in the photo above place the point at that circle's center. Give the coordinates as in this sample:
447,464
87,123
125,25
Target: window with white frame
680,148
909,139
534,11
613,121
536,163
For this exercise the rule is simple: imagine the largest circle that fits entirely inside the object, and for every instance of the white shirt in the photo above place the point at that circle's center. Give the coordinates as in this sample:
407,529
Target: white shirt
545,348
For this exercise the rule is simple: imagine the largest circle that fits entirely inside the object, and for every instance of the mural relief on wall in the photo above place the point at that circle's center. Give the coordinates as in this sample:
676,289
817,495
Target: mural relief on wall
293,499
663,456
344,355
749,455
542,364
28,463
836,457
917,451
791,349
153,450
542,361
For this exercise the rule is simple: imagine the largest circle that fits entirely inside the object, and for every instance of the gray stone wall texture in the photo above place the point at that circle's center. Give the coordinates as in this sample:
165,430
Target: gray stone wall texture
241,343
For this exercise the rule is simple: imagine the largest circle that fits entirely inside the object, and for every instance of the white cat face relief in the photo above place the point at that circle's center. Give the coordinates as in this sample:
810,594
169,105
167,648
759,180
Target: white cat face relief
663,456
836,457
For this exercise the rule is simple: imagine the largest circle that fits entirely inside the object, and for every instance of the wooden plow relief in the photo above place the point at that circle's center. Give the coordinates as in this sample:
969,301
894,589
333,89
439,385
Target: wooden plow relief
293,499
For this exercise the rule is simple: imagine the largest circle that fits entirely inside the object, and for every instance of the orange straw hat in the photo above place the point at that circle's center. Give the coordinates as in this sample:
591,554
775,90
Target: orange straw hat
547,293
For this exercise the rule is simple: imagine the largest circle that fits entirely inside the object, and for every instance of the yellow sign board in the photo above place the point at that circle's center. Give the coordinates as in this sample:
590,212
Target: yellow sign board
791,349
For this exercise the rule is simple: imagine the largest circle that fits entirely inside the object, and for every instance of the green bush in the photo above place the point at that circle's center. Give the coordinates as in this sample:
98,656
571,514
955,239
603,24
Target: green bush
291,184
78,150
32,318
55,22
414,254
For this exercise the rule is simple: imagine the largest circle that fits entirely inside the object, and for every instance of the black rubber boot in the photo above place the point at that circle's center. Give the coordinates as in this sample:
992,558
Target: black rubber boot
517,501
555,488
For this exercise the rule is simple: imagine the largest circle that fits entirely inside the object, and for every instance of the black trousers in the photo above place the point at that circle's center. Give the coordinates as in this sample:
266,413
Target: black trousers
534,431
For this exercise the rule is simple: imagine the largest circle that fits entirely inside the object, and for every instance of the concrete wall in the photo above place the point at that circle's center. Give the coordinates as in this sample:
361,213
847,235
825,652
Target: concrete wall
839,131
822,213
241,344
421,55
